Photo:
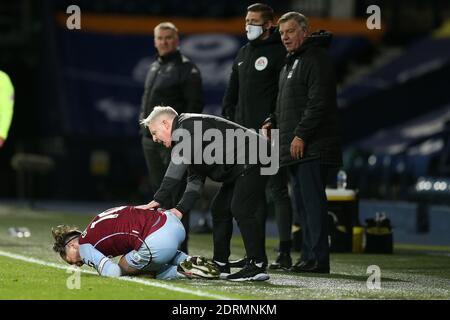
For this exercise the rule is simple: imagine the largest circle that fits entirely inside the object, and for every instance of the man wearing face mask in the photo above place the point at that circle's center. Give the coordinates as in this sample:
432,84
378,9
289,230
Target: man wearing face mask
253,86
250,98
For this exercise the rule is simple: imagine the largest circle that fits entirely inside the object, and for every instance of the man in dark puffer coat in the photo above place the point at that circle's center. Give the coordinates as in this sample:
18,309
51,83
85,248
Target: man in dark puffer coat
306,115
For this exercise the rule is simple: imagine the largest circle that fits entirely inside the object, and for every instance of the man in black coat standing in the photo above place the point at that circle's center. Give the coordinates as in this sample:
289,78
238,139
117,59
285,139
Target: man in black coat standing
306,115
250,98
171,80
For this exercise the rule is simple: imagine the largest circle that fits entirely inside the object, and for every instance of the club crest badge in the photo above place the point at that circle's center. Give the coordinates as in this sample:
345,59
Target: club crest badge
261,63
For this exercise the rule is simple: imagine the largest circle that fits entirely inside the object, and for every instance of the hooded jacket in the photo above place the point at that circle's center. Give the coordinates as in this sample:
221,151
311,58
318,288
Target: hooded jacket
253,86
306,103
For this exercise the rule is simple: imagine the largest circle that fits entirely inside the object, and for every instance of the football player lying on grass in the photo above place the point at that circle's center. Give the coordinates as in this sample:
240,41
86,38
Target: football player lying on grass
147,239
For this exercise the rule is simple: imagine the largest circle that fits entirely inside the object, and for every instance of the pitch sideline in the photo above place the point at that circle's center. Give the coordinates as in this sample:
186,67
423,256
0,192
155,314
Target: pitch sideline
129,279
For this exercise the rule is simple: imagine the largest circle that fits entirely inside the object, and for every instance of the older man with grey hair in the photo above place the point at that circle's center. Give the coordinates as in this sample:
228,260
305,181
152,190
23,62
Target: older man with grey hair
306,115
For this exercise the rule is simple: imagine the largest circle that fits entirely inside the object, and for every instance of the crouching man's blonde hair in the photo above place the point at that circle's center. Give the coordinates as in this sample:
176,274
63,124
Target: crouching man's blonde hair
158,112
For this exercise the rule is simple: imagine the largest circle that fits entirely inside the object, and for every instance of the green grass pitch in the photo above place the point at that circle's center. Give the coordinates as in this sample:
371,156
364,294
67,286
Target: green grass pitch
30,270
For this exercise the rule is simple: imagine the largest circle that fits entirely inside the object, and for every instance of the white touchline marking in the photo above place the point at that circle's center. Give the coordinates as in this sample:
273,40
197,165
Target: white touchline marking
129,279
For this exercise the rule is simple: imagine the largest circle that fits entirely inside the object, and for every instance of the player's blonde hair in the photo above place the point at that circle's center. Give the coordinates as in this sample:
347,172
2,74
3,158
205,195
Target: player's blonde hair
62,234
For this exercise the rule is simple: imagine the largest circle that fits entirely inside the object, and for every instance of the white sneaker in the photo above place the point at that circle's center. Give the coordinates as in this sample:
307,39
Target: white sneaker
198,267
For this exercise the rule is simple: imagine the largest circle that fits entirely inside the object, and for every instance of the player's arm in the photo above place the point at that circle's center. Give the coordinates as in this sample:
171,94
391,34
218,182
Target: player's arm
126,269
95,259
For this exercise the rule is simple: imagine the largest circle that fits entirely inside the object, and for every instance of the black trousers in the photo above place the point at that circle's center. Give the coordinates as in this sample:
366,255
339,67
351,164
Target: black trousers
308,183
278,193
243,200
157,158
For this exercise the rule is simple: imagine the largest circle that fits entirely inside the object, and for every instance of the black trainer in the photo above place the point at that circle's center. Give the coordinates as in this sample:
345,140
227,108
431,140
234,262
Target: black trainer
239,263
251,272
310,267
283,261
317,268
298,265
224,269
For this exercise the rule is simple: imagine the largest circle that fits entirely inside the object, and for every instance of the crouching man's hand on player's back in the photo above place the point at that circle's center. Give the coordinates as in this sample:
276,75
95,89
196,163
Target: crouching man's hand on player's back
151,205
154,205
177,213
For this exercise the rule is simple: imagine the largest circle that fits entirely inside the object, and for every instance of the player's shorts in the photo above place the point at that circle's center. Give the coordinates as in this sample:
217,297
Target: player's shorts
160,247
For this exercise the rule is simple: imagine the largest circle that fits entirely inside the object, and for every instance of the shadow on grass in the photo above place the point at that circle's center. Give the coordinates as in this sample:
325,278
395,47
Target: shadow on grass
256,284
336,276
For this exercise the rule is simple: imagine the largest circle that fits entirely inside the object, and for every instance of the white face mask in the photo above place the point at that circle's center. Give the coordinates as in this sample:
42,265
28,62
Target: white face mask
253,31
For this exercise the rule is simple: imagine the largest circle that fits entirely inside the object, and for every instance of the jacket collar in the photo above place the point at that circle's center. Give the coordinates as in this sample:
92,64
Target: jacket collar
320,38
173,56
175,126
